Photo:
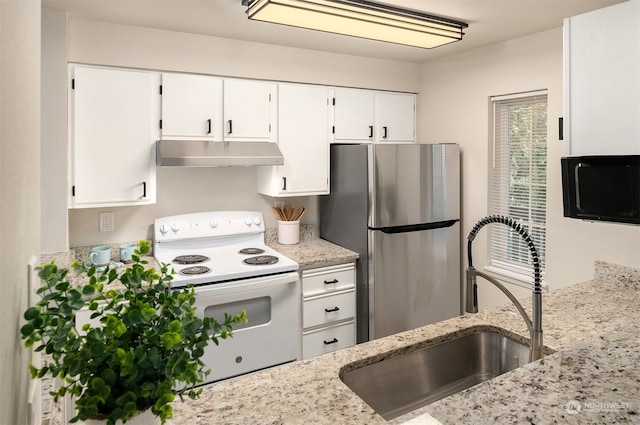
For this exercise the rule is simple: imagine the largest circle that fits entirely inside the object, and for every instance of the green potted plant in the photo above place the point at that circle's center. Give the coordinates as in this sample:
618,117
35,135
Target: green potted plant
146,349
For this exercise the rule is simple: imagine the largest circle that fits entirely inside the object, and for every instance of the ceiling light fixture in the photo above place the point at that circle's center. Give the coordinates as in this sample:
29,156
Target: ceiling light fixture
360,18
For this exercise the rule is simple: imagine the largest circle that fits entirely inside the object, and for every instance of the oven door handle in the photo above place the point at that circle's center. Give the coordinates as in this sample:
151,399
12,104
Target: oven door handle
249,284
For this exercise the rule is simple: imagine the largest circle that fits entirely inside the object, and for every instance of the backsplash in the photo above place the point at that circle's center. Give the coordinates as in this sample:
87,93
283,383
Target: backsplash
307,231
626,275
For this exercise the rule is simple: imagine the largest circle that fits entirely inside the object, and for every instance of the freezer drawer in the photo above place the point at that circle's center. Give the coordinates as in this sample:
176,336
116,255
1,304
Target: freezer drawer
416,279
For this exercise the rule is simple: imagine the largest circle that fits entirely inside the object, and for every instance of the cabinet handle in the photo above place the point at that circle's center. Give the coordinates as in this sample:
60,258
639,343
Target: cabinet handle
331,310
328,282
209,126
230,126
561,128
284,183
144,189
370,131
333,341
384,132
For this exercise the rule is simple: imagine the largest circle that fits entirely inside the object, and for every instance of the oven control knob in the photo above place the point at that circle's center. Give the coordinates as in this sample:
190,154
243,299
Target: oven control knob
256,220
247,221
213,223
164,229
175,226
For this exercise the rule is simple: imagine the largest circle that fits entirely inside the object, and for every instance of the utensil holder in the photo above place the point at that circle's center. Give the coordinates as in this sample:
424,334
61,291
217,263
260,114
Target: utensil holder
288,232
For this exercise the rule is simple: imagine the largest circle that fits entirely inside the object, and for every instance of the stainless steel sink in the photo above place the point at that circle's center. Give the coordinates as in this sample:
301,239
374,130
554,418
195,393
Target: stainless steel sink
399,384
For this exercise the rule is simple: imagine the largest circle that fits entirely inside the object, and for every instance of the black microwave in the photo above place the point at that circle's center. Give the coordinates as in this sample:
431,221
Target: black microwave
605,188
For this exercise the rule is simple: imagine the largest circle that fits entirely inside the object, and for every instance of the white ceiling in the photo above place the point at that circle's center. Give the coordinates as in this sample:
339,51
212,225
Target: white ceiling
489,22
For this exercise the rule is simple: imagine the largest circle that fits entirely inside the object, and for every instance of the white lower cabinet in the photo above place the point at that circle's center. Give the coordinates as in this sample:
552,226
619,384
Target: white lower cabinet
328,309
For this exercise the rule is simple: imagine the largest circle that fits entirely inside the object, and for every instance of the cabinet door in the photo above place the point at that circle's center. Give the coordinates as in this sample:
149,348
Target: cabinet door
353,116
249,110
191,107
395,117
304,122
602,81
114,126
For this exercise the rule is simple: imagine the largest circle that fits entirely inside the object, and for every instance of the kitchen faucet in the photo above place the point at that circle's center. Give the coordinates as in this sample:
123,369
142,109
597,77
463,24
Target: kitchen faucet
535,326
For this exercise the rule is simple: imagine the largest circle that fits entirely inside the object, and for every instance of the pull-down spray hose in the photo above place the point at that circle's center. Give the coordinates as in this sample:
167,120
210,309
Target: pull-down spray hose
535,325
535,258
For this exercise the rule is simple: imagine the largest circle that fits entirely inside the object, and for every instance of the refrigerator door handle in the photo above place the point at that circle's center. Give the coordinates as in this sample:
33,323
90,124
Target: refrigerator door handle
416,227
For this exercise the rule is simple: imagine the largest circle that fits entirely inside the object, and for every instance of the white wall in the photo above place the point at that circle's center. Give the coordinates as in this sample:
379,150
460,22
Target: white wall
19,192
53,180
454,98
184,190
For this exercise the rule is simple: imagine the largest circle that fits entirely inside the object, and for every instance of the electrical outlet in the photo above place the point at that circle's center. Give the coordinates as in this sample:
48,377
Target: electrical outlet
106,222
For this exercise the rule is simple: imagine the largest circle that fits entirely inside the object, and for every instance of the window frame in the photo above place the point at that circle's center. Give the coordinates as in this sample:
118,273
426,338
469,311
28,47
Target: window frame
499,266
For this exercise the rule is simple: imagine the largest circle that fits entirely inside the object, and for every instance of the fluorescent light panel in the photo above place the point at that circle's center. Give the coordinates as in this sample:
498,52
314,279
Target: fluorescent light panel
362,19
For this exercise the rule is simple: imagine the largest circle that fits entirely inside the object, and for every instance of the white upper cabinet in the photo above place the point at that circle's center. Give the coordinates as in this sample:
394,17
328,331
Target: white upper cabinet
395,117
353,115
114,116
249,110
602,81
363,116
191,107
305,118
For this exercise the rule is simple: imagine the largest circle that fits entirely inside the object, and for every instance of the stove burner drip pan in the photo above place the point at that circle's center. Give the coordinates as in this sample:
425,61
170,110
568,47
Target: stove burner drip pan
195,270
191,259
261,260
251,251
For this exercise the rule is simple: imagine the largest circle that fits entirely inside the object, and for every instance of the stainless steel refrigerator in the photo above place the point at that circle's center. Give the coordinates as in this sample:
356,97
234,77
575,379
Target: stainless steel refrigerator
398,206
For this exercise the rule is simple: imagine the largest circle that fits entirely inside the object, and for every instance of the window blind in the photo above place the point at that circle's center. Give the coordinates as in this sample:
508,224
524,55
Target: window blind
518,178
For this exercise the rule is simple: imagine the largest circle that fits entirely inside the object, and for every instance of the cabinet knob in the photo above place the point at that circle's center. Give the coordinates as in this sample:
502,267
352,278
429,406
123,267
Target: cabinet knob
209,126
331,310
230,126
333,341
329,282
384,132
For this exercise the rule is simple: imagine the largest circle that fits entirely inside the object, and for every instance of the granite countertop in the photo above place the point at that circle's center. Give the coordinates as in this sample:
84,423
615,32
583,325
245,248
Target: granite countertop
593,377
315,252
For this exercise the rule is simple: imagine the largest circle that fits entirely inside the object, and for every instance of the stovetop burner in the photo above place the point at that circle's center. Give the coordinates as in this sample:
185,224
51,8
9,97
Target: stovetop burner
251,251
191,259
261,260
194,270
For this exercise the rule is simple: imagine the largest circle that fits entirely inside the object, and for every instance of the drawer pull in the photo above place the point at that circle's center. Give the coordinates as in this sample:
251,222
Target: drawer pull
331,310
333,341
329,282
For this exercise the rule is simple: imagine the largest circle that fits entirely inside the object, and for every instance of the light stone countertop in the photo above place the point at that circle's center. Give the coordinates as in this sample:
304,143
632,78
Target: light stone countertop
596,369
592,326
315,252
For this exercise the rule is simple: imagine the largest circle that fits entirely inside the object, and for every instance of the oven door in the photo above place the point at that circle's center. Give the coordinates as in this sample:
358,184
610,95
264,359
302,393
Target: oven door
271,335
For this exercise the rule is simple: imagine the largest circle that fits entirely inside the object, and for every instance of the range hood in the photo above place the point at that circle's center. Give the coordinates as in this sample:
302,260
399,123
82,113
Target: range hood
202,153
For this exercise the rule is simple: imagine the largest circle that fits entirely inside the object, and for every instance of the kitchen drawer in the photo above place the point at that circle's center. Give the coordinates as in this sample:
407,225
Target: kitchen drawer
328,339
328,279
328,308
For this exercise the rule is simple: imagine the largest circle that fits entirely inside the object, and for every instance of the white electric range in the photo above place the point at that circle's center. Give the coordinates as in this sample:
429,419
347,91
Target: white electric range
224,256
